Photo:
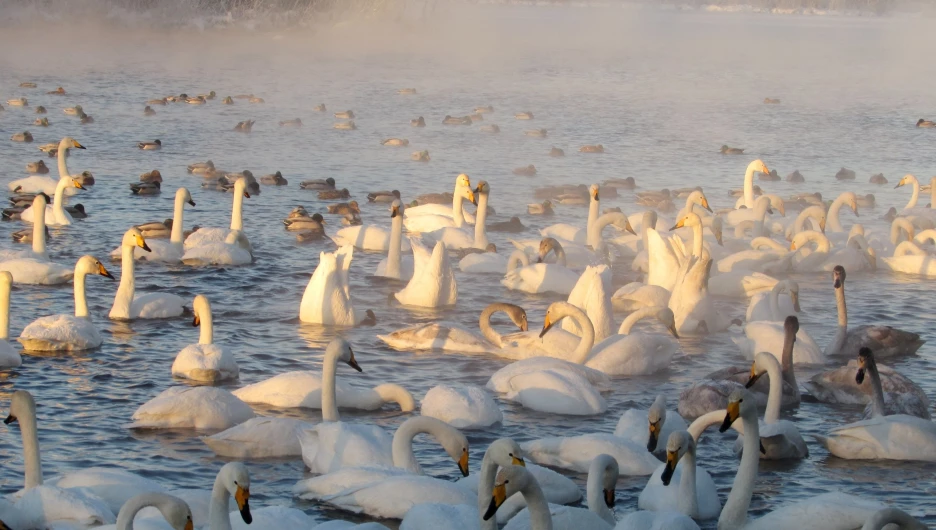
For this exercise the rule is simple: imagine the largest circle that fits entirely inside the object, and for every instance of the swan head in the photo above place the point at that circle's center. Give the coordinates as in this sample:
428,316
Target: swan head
91,265
182,193
756,166
593,191
556,312
134,238
690,219
509,480
240,186
517,315
740,404
850,199
656,417
698,197
865,362
759,367
678,444
606,468
341,350
236,480
483,188
463,186
176,512
667,318
791,287
397,208
200,307
22,404
70,143
776,202
907,179
718,230
505,452
838,277
546,245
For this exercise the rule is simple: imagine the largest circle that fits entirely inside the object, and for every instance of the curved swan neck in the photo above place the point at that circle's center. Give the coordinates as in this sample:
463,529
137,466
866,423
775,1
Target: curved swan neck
688,499
81,302
593,234
580,355
237,213
636,316
832,219
540,518
908,248
759,242
486,488
391,393
715,417
734,514
402,446
176,236
517,259
218,516
484,322
128,511
62,168
560,255
39,228
774,299
877,391
394,253
916,192
813,212
775,392
648,222
898,226
480,232
888,516
594,486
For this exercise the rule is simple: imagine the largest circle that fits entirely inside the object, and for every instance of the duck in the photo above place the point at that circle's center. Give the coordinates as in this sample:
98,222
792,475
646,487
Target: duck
255,99
146,188
395,142
556,152
878,178
796,177
345,115
37,168
406,91
486,109
420,156
205,236
201,168
418,122
228,100
68,332
528,171
73,111
327,195
540,277
453,120
513,225
41,122
234,250
627,183
197,100
18,102
28,84
158,101
345,126
327,299
383,196
85,118
22,137
845,174
771,101
202,408
433,283
57,92
537,133
150,146
244,126
151,176
305,223
773,176
204,361
491,129
725,150
148,111
591,149
448,337
345,208
41,110
526,115
127,304
925,123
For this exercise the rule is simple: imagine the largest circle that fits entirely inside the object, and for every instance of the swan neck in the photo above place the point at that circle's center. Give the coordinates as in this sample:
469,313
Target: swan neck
633,318
786,366
580,355
560,255
933,194
749,187
775,391
81,301
698,426
58,204
517,259
4,311
402,447
125,291
218,516
774,300
594,494
540,518
480,232
832,218
734,514
38,236
175,237
457,214
697,240
395,251
329,373
839,341
916,194
593,233
206,325
688,499
130,508
484,322
593,206
237,213
486,488
30,435
877,391
62,168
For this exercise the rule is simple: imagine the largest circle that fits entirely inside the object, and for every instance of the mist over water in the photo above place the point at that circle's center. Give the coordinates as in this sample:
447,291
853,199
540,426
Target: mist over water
660,89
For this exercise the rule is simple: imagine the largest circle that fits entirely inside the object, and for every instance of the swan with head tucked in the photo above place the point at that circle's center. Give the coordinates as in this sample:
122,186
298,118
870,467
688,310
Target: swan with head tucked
234,250
162,250
769,306
9,357
461,237
429,217
455,338
207,235
829,510
68,332
636,353
127,304
205,361
327,297
33,267
884,341
433,283
894,437
540,277
395,265
779,439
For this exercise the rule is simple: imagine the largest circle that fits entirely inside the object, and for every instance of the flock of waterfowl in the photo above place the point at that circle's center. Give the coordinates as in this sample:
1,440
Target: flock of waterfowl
566,367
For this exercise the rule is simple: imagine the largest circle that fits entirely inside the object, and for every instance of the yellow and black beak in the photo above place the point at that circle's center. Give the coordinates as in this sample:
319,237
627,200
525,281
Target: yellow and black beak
246,194
754,376
10,419
103,272
3,526
243,497
595,194
672,458
353,363
463,462
609,498
188,524
679,224
859,377
196,321
517,461
472,197
498,498
394,212
547,325
706,205
77,184
655,428
734,410
142,244
77,145
191,202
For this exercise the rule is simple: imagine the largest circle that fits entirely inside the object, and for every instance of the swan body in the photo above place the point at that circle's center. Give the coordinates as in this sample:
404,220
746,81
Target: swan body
204,361
483,263
452,337
780,439
908,258
208,235
127,304
636,295
33,267
39,184
367,237
327,297
770,307
576,453
234,250
592,294
636,353
461,406
201,408
768,336
539,277
67,332
259,437
647,520
634,422
433,283
430,217
163,250
575,234
741,284
691,303
172,510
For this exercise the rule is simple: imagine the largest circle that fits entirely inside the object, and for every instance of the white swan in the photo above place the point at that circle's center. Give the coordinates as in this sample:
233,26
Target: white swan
433,283
372,237
644,520
592,294
307,389
767,336
885,517
807,259
540,277
911,207
539,516
202,408
576,234
205,361
634,424
693,493
636,295
234,250
834,223
765,255
327,297
461,237
779,439
691,304
429,217
55,214
461,406
9,357
68,332
908,258
636,353
127,304
173,510
452,337
207,235
33,267
259,437
47,184
521,345
162,250
483,263
884,341
575,453
901,395
756,215
828,510
395,266
894,437
38,249
741,284
747,198
770,307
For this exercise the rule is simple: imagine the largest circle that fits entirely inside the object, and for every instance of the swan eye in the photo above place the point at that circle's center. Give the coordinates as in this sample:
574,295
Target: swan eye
741,400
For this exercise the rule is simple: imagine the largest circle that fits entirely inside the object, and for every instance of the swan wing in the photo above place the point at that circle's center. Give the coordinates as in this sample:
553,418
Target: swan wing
577,452
286,390
32,271
60,332
205,362
501,380
259,437
114,486
634,354
63,506
156,305
832,511
393,496
556,391
447,337
899,437
200,408
328,447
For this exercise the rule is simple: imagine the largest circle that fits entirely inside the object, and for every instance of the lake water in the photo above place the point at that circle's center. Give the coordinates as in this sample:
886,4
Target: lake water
660,90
